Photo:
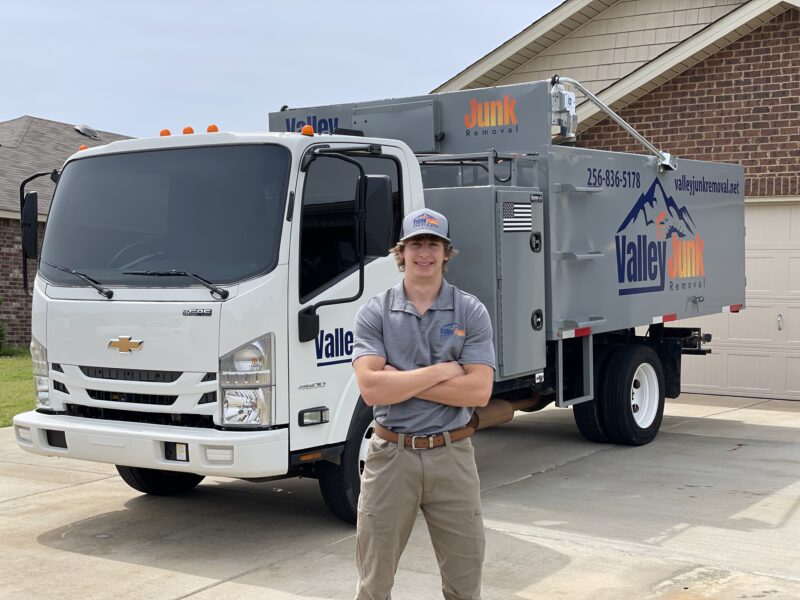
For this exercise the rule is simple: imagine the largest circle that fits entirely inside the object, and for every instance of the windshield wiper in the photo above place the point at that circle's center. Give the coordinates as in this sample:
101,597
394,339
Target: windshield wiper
95,284
221,292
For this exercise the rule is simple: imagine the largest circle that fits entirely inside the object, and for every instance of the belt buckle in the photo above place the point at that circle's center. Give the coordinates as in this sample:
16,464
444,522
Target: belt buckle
429,438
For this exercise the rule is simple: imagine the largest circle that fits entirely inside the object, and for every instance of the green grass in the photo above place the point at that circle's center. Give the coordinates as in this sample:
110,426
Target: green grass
16,386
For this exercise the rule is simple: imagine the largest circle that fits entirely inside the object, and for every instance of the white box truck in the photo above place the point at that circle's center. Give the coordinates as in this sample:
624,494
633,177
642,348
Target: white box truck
194,302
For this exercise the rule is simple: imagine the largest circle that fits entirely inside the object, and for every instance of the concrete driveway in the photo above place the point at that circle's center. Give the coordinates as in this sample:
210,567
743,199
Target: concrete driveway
711,509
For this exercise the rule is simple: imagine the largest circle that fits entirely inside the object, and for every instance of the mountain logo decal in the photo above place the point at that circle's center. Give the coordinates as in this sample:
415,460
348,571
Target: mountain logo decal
658,246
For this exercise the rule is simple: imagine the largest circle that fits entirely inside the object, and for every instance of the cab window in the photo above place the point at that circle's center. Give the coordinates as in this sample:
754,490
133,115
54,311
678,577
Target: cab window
327,221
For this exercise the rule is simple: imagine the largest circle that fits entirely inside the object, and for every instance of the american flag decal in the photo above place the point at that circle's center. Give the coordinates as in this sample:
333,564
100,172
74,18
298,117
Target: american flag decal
517,216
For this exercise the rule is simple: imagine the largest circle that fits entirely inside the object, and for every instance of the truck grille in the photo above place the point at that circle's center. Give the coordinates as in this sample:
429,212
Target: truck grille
208,398
132,398
131,374
131,416
57,385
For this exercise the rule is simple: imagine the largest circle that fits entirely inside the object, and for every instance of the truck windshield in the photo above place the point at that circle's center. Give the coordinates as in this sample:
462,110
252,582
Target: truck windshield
216,211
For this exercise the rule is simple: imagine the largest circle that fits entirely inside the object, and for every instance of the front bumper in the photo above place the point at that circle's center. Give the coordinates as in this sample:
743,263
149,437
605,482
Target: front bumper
210,452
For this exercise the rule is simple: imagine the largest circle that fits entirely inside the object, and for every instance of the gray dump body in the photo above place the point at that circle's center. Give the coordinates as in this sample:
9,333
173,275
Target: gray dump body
623,244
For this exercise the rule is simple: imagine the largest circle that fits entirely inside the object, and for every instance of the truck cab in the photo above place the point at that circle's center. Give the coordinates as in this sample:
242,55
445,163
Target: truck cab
209,253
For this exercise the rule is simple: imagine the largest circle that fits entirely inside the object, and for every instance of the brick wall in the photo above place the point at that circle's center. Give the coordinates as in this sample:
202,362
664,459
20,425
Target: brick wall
15,311
740,105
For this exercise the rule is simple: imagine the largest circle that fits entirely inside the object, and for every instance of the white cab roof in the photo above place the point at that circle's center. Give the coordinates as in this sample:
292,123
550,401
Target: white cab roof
293,141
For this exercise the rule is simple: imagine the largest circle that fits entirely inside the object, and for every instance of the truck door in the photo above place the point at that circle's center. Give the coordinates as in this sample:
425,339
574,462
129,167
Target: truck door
324,266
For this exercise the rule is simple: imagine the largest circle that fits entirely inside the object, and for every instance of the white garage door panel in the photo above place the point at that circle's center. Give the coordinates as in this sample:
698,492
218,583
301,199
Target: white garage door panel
794,275
755,374
793,374
751,326
704,373
768,223
792,323
725,368
760,271
757,352
751,372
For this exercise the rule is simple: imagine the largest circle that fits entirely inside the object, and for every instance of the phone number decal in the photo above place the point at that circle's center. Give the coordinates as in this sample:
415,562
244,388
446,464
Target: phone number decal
613,178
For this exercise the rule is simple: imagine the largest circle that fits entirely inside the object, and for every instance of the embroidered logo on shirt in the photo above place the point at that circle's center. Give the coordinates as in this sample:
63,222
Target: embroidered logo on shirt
452,329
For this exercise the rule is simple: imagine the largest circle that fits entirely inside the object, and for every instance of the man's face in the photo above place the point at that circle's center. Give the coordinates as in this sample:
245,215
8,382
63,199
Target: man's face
424,257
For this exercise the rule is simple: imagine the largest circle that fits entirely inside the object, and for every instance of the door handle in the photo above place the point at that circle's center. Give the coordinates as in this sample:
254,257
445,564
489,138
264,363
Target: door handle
780,322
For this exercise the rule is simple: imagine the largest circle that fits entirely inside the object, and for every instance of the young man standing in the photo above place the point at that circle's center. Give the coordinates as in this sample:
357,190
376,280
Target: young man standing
423,358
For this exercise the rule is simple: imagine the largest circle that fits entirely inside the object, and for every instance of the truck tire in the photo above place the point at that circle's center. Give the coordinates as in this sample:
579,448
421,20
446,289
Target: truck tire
588,415
588,418
341,484
159,483
631,397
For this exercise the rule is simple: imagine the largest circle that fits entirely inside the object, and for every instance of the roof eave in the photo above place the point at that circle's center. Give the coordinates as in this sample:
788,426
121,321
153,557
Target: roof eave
683,56
552,27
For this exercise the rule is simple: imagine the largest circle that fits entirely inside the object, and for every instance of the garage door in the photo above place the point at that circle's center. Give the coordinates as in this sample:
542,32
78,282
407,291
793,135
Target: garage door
757,352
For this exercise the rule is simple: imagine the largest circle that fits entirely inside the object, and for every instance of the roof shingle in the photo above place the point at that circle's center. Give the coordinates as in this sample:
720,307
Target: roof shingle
31,145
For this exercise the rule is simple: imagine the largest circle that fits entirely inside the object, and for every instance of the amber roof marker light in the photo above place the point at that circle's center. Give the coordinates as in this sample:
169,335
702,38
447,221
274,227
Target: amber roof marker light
307,130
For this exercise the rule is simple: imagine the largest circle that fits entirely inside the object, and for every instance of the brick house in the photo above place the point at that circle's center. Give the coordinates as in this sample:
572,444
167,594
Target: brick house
30,145
702,79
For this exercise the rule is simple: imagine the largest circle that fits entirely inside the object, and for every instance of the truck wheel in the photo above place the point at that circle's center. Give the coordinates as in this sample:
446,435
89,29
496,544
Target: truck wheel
341,484
632,395
589,421
158,483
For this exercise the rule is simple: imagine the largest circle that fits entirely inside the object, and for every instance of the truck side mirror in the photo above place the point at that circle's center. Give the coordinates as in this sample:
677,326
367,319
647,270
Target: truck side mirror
308,324
30,225
379,215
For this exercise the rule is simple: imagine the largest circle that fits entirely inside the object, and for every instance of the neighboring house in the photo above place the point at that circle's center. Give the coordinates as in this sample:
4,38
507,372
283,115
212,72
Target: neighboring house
29,145
710,80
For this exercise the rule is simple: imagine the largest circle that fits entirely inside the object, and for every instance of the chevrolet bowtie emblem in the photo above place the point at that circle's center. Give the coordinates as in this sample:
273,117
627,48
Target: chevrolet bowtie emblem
125,344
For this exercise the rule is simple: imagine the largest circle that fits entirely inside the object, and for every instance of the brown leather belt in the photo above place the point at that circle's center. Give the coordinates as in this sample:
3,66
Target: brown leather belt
426,442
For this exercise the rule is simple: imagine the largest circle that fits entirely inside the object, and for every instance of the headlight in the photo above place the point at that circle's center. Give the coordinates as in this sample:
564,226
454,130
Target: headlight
41,372
245,379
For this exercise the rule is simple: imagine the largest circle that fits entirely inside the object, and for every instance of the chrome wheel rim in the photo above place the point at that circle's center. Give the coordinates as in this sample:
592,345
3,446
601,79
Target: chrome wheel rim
644,395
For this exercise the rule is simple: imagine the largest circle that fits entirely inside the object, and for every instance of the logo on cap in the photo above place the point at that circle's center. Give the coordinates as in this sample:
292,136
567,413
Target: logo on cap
426,220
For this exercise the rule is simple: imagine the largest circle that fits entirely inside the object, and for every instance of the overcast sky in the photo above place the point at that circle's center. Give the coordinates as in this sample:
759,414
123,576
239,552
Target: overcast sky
139,66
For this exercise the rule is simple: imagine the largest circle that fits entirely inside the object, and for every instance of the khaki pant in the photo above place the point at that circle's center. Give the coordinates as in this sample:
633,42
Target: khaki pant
444,483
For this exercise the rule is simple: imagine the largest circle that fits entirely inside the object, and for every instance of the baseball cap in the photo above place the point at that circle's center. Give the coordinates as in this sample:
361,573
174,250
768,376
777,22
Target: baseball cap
425,222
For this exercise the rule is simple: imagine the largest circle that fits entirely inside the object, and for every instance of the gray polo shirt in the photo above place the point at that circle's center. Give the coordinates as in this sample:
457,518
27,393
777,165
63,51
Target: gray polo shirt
455,328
